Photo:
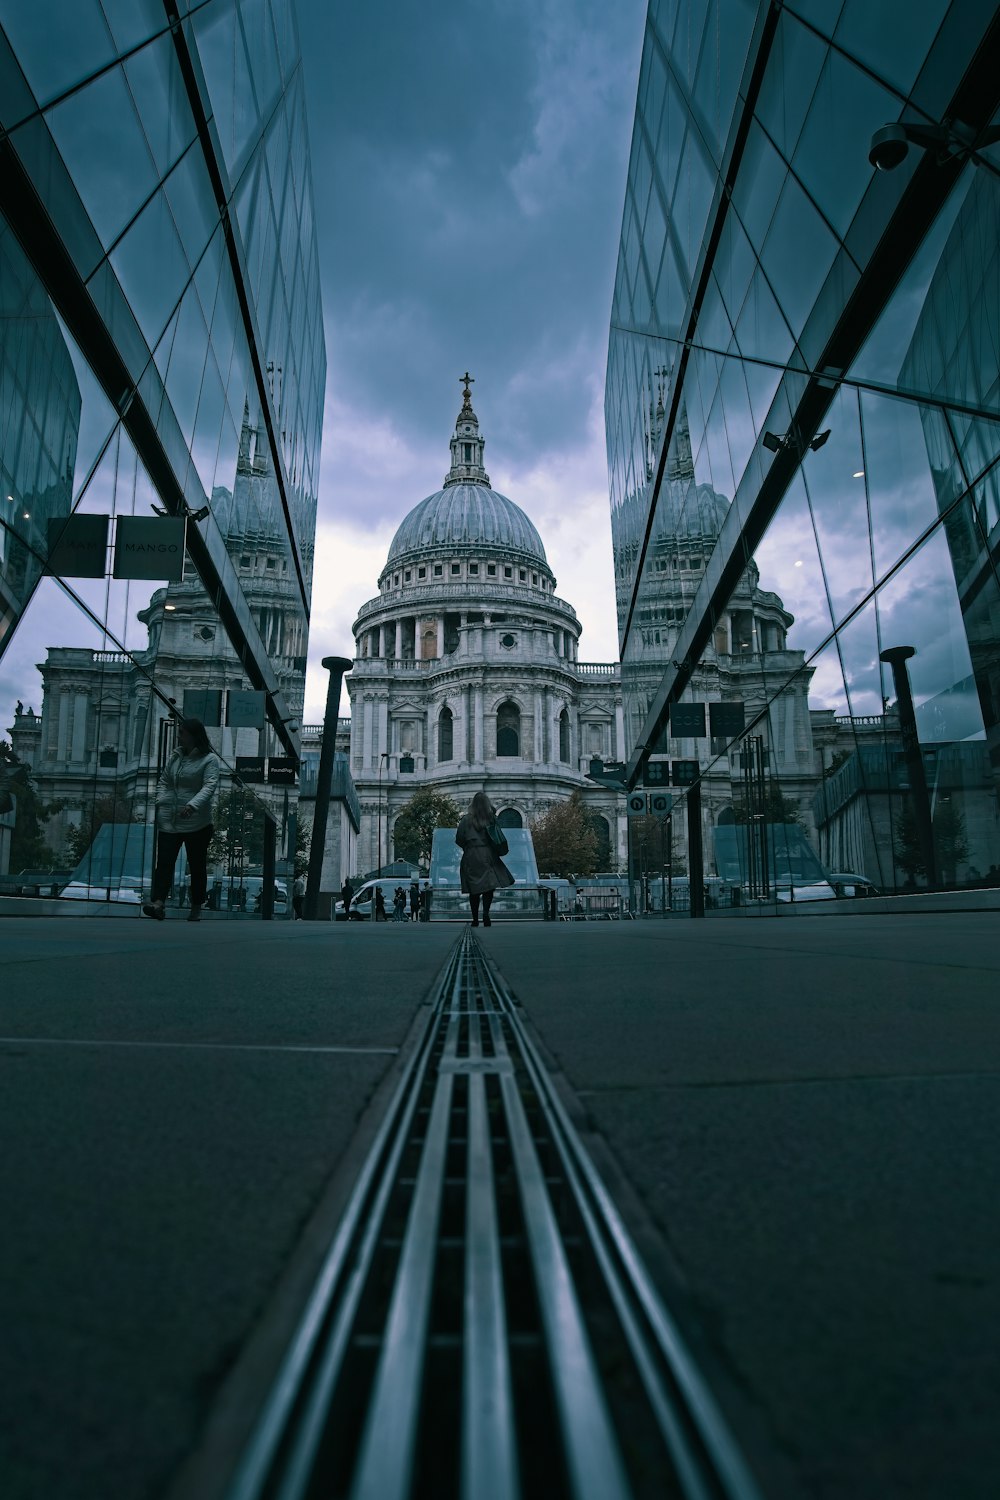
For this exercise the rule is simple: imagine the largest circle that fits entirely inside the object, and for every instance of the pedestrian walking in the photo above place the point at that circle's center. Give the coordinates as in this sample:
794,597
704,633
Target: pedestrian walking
482,843
399,905
299,897
414,901
425,902
380,915
347,896
184,797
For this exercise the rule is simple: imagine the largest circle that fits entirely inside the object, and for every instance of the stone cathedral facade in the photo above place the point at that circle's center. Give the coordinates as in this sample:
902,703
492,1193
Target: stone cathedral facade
467,671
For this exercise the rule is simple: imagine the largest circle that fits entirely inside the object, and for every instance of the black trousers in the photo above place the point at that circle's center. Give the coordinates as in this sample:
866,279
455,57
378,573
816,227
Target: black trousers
168,846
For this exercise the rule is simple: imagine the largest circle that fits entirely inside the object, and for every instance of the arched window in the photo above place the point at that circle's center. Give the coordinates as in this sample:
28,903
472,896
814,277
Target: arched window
564,736
446,734
509,817
508,729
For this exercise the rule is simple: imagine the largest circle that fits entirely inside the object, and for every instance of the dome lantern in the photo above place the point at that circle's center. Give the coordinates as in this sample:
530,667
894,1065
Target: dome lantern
467,446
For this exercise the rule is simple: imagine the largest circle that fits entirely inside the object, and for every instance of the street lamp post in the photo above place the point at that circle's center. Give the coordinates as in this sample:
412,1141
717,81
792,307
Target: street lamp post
383,757
336,666
896,657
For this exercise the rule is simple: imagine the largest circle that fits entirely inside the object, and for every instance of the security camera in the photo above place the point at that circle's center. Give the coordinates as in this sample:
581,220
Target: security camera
889,148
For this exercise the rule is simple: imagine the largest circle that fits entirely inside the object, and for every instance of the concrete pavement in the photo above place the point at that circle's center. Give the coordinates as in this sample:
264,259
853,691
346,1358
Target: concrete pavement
800,1119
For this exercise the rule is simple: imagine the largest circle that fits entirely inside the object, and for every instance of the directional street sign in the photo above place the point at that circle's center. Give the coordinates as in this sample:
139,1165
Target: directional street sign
656,773
636,805
660,803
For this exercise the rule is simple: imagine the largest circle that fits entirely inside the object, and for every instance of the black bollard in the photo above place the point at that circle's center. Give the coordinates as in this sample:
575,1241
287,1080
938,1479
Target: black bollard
336,666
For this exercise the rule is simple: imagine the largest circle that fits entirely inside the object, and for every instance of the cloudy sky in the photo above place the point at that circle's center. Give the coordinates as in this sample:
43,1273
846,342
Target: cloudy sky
469,164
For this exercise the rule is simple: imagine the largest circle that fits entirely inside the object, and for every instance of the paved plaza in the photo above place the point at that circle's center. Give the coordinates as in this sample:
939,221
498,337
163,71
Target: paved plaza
798,1118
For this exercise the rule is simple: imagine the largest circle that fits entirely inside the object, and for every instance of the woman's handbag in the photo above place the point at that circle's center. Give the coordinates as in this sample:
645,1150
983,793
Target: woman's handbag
495,834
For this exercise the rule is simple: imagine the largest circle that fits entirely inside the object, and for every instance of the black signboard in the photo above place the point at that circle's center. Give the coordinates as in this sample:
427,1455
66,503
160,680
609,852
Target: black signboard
204,704
150,547
727,720
687,720
245,708
656,773
250,769
281,771
78,547
685,772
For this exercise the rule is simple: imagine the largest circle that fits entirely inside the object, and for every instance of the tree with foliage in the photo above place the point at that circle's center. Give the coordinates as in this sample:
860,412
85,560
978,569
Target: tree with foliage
777,808
951,845
238,840
564,839
653,847
413,831
112,807
29,848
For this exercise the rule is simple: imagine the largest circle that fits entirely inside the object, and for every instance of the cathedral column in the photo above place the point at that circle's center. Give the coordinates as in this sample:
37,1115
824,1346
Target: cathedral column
468,743
381,640
618,753
366,728
478,741
399,639
463,636
431,756
440,633
539,727
382,733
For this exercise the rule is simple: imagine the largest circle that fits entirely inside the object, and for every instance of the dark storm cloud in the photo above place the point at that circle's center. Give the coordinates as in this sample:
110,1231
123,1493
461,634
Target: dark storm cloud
469,162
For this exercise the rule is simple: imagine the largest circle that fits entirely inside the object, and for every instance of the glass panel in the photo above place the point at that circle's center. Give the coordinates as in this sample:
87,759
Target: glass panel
101,141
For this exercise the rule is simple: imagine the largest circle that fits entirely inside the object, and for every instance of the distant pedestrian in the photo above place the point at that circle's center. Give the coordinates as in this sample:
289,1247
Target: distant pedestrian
347,896
425,902
380,915
399,905
482,842
299,897
184,797
414,901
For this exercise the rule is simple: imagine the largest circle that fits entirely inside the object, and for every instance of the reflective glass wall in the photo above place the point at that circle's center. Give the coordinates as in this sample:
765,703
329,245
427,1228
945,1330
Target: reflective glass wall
803,426
162,366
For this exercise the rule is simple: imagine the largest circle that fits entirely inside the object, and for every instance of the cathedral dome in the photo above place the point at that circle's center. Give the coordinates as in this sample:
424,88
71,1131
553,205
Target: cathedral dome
466,515
466,512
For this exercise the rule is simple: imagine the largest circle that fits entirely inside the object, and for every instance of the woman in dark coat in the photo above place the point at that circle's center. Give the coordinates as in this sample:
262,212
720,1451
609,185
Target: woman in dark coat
483,871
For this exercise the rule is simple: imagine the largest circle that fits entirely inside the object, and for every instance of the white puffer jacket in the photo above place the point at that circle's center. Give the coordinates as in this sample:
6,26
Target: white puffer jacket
187,781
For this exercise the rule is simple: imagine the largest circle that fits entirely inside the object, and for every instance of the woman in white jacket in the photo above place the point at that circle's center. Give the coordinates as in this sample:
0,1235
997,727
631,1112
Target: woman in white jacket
184,796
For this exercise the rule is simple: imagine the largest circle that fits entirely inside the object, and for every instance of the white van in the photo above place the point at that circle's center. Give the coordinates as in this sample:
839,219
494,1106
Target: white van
363,900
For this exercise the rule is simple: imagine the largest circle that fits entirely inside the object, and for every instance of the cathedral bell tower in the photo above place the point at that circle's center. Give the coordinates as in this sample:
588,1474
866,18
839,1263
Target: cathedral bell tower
466,445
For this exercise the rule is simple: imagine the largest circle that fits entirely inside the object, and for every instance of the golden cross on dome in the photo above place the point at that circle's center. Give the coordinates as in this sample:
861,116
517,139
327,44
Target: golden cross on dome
467,380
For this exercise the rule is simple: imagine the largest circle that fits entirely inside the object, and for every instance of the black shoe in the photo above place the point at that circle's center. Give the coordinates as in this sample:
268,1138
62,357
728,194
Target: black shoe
487,922
154,909
474,922
194,915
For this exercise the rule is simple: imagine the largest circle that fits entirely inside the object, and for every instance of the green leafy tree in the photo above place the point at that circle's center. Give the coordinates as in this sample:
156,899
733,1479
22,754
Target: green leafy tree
564,839
238,840
777,808
951,845
908,850
413,831
29,848
301,855
112,807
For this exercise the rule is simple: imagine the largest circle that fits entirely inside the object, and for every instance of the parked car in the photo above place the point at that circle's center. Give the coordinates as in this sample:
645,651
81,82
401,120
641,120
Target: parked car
853,885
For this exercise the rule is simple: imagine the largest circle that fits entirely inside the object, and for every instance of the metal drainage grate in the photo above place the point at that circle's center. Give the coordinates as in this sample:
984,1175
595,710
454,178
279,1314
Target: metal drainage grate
483,1326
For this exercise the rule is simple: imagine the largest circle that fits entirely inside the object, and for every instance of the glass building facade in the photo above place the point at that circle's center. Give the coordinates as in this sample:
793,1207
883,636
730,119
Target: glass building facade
162,370
803,429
